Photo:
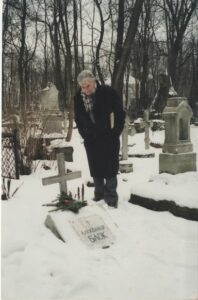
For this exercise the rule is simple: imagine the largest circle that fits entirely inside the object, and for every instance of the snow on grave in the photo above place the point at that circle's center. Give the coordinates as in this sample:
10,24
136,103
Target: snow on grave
138,151
184,204
96,230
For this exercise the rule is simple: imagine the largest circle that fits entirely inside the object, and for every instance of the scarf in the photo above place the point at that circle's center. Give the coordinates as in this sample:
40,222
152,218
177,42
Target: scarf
88,103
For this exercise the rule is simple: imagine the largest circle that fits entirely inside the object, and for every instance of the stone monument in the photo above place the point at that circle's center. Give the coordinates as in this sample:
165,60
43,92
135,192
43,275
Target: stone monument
52,116
196,114
178,155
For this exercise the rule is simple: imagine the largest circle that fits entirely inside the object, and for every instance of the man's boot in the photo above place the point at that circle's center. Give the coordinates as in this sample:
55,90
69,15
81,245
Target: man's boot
99,188
110,194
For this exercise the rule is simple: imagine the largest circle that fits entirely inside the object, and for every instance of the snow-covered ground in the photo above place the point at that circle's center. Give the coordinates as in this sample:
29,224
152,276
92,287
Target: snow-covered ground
154,256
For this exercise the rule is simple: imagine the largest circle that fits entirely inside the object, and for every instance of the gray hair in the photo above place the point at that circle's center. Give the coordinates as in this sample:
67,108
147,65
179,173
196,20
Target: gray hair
85,74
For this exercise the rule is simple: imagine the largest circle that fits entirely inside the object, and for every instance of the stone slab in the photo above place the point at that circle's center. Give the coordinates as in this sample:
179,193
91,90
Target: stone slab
93,226
50,224
93,231
178,147
177,163
125,167
142,155
52,123
49,97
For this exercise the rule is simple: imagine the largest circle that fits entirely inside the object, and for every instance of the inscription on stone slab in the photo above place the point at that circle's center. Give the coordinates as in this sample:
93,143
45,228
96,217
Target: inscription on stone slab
93,231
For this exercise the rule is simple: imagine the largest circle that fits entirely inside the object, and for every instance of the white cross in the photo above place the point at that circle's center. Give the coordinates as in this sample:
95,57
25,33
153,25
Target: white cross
62,177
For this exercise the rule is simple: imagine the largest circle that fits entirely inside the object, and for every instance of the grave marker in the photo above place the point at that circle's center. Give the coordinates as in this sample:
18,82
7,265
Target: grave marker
125,140
49,98
93,231
177,153
52,114
62,177
124,165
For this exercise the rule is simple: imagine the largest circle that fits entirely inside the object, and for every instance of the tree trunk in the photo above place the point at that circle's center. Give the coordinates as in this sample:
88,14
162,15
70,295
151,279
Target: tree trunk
177,17
81,36
127,46
119,42
45,74
21,58
97,61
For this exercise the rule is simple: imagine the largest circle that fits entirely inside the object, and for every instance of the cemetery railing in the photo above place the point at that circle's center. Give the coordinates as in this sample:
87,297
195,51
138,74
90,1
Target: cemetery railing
10,155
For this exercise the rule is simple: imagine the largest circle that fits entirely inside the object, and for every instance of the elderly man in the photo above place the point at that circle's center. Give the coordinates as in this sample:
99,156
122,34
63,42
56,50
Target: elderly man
100,117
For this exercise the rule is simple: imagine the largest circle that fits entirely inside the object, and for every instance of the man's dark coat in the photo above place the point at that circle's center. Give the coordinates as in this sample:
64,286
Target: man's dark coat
101,142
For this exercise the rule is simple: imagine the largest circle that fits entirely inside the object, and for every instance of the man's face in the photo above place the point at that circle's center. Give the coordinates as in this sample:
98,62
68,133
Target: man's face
88,86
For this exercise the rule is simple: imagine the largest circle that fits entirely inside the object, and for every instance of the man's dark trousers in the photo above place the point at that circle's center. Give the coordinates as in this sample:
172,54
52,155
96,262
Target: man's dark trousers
105,188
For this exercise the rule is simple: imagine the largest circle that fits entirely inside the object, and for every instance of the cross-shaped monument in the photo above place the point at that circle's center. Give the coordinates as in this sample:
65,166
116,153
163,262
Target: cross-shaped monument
125,166
62,177
125,139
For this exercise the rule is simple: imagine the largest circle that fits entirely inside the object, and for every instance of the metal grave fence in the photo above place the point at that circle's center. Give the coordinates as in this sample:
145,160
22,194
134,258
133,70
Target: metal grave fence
10,157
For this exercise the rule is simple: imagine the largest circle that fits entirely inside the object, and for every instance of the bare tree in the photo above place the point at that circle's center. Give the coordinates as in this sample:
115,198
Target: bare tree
145,36
178,14
45,73
81,35
102,22
119,41
16,45
21,59
123,41
193,94
125,50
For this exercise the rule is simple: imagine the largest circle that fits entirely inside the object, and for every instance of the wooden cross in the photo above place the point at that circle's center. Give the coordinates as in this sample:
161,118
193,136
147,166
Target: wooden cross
62,177
125,139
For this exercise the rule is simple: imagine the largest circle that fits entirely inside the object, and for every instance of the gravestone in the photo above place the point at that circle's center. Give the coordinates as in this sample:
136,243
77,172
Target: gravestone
54,149
139,125
62,177
49,98
93,231
178,155
157,124
131,129
125,166
52,115
52,123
